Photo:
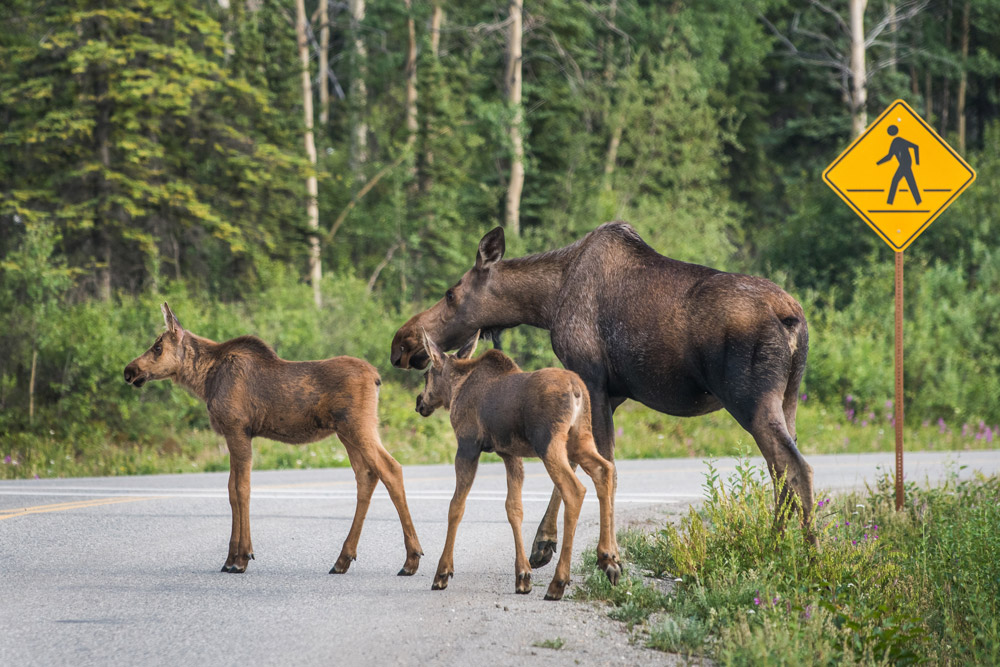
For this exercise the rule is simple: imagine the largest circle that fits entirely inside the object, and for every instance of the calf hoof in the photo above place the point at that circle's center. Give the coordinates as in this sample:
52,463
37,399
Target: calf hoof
342,564
410,566
522,584
542,553
238,565
441,581
556,589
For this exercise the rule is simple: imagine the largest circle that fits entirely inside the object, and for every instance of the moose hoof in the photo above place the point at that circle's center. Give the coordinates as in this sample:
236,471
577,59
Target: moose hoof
542,553
522,585
342,564
613,571
556,589
441,581
234,569
410,566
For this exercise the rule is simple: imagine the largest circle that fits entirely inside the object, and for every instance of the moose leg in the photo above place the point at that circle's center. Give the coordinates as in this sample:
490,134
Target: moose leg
602,472
391,473
240,462
789,470
366,480
544,544
572,491
465,472
515,514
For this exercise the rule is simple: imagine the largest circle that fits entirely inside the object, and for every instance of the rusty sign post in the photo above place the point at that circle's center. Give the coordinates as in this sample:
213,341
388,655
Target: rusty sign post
899,175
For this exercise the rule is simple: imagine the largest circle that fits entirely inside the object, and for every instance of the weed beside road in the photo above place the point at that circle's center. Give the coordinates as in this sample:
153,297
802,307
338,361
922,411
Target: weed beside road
919,585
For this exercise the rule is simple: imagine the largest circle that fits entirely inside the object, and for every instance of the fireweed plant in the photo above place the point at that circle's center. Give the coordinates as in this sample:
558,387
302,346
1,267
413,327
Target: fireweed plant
883,587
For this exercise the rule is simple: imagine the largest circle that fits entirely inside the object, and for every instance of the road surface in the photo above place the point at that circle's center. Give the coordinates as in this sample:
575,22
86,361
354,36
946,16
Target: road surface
125,570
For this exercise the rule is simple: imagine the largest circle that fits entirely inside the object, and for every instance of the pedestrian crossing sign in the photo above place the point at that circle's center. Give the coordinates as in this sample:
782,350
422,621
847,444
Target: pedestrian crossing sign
899,175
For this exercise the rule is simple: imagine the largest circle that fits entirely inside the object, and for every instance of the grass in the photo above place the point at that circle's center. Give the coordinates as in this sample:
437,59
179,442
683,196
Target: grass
640,433
884,587
554,644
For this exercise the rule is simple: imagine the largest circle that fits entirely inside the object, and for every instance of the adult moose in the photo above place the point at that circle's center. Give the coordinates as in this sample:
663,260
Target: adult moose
250,391
681,338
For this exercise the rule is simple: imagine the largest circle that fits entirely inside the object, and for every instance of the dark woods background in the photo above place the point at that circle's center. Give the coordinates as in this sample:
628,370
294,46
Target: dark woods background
158,150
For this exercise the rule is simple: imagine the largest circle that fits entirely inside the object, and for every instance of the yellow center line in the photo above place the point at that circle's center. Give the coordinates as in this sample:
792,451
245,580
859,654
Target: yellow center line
80,504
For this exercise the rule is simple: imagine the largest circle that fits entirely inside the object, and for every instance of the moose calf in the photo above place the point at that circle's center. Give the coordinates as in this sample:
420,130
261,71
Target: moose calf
497,407
251,392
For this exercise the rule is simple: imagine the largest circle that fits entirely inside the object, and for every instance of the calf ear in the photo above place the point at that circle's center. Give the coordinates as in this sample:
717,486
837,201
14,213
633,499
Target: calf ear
173,324
433,351
466,350
491,249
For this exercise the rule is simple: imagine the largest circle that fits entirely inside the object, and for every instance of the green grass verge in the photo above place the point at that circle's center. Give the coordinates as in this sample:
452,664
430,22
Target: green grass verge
884,587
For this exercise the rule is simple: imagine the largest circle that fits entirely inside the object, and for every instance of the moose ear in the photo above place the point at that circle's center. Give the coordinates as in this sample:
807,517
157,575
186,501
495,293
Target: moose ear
433,351
491,249
469,347
173,324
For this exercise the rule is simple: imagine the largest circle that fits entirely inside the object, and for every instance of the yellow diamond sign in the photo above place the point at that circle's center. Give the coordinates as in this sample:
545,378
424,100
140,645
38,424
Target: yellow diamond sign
899,175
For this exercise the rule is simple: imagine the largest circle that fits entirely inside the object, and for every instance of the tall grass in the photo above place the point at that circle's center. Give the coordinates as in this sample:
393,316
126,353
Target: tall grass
884,587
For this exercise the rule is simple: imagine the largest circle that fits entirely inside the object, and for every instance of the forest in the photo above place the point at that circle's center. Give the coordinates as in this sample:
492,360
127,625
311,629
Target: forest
314,173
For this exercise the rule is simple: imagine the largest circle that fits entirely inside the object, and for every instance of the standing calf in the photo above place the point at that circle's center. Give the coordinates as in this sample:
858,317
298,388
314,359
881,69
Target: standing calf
250,392
497,407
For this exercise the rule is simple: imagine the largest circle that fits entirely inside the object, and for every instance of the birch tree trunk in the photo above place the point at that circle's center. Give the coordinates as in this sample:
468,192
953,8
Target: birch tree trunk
312,205
859,75
411,88
513,79
324,63
359,91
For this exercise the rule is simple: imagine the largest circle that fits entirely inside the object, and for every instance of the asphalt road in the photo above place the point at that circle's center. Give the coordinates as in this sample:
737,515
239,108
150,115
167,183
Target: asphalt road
125,571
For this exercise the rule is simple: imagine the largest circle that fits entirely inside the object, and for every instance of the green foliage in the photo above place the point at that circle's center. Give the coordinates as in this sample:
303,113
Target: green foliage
882,588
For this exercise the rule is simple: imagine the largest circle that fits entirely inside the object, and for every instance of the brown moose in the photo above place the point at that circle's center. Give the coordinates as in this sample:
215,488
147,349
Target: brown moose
680,338
496,407
251,392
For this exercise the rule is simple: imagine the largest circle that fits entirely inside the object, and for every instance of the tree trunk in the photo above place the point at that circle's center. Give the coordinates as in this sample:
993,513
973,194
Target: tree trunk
312,206
513,81
859,75
359,91
324,63
437,19
963,82
411,89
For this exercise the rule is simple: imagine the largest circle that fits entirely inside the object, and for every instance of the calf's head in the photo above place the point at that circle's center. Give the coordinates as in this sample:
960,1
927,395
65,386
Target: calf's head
465,308
164,357
439,381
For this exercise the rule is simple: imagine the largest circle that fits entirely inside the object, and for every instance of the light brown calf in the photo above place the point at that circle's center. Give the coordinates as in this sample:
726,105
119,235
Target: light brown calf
496,407
251,392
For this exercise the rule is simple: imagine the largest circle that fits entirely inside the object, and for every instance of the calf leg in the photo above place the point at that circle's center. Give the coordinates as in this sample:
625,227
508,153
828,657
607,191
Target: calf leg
515,514
572,491
465,472
366,480
240,463
369,446
602,423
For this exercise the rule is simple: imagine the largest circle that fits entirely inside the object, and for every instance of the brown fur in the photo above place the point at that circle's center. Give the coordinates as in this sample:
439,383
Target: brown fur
495,407
681,338
250,391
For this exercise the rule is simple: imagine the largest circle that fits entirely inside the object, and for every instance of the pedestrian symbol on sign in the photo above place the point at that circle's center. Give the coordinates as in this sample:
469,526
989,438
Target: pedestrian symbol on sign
901,185
900,149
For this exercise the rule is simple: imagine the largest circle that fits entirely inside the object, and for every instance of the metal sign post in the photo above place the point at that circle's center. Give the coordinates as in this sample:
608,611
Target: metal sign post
899,175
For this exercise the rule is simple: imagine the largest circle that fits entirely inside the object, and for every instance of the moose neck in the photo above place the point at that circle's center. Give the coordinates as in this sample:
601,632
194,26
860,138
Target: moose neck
198,359
529,287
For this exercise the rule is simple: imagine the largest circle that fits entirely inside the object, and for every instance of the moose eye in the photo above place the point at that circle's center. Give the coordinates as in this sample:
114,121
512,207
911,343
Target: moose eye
450,296
157,349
